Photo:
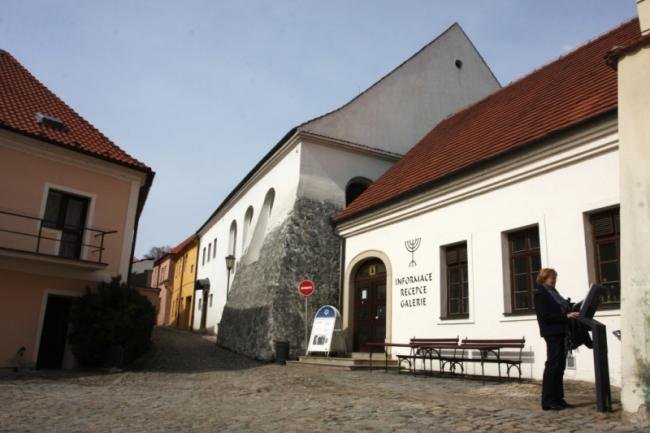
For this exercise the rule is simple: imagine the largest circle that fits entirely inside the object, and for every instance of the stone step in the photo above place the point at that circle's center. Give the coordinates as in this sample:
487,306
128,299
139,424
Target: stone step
347,362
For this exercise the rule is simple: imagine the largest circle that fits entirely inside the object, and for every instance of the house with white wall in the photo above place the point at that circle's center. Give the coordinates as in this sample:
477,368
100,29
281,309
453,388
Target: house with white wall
275,228
448,242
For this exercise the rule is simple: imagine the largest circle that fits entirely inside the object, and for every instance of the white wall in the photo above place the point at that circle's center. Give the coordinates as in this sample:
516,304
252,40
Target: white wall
553,191
319,171
282,176
326,170
398,110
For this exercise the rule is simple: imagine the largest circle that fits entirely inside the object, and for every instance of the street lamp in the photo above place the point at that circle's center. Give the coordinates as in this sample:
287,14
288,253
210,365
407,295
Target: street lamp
230,263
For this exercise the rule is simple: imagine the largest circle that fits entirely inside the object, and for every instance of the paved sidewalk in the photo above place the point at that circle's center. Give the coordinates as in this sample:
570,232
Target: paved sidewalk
189,385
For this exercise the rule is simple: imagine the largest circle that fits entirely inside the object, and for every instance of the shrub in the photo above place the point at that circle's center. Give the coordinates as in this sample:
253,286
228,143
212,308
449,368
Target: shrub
111,325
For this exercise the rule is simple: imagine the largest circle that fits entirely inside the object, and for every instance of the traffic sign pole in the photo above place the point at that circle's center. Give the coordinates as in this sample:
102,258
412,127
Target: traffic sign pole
306,289
306,325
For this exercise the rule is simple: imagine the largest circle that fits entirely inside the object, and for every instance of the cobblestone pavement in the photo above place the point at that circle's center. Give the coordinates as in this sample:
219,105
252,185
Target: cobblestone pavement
187,384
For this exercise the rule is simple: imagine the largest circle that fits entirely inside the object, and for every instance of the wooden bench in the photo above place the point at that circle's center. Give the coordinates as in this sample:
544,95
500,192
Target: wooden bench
493,347
427,349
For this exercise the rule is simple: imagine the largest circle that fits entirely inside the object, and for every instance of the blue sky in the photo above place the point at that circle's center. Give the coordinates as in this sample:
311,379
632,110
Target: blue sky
200,90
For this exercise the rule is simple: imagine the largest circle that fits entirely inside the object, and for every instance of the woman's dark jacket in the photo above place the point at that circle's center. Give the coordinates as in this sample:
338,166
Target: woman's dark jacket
550,315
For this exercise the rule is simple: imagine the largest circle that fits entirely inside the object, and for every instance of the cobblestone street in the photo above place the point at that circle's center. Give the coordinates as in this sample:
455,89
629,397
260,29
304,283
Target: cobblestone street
187,384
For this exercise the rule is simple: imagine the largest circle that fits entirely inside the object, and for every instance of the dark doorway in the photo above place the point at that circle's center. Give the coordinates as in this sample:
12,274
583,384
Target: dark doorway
54,333
369,305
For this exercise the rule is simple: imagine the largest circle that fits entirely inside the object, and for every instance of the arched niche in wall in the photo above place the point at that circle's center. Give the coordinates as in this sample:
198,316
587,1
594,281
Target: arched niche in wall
232,240
259,233
355,187
248,220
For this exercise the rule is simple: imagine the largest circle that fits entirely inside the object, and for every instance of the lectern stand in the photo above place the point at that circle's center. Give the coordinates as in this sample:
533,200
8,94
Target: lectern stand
599,336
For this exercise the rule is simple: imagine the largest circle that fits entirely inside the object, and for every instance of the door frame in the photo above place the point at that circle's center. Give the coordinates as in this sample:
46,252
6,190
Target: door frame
41,316
349,291
369,283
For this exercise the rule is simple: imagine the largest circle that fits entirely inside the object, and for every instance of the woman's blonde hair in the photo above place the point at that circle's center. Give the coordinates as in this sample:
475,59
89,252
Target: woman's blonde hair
544,274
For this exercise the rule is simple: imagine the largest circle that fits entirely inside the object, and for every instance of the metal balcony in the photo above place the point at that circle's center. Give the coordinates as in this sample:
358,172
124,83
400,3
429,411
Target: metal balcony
20,233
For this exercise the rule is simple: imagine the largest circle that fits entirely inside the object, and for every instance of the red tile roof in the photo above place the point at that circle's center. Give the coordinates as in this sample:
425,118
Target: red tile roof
22,96
180,247
573,89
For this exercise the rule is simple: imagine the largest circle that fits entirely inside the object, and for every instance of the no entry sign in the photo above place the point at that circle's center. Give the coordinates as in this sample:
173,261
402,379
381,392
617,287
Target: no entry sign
306,288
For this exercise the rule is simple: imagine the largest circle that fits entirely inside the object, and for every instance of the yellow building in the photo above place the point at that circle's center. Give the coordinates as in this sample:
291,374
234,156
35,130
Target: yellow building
182,299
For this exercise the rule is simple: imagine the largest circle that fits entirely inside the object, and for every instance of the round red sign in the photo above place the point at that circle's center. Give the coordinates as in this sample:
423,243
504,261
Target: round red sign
306,288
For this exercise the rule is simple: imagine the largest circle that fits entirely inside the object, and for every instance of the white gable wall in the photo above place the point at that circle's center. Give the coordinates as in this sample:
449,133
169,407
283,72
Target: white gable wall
402,107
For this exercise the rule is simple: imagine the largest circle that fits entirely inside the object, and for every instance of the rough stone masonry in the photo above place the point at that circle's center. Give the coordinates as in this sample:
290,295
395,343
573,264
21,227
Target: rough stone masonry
264,304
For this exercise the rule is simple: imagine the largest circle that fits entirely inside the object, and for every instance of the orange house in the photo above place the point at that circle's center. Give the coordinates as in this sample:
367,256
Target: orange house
70,201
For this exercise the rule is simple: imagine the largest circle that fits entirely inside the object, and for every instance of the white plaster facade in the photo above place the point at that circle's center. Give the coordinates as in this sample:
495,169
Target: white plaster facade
634,126
553,186
317,159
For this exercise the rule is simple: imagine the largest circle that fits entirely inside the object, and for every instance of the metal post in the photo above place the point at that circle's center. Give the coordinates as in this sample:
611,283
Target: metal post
306,325
38,240
601,367
101,247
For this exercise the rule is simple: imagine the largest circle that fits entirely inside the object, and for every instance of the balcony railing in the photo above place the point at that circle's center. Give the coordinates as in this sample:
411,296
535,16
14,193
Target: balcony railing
19,232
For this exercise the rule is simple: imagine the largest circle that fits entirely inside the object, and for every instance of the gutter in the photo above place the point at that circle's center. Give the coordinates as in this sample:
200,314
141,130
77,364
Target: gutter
142,198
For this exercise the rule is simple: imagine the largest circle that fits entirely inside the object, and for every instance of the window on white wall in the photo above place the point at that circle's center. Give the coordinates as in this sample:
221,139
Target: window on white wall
209,251
454,288
522,264
214,248
355,188
259,233
203,257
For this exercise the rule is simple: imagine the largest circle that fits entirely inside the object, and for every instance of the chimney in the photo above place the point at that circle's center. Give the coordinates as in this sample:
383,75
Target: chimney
643,7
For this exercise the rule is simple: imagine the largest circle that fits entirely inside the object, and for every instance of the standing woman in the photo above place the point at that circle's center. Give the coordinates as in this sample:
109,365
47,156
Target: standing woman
553,313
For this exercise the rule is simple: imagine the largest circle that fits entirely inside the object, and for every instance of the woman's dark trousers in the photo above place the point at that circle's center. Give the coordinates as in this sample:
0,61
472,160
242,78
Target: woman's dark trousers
552,386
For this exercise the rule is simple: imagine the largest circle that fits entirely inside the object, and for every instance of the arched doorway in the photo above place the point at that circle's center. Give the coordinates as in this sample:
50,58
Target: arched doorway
369,305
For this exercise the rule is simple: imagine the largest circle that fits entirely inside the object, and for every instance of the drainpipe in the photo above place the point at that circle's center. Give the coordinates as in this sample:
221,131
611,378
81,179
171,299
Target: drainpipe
341,272
142,196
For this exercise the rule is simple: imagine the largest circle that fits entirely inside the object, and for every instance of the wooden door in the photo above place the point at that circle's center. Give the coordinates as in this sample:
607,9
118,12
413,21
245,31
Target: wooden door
370,306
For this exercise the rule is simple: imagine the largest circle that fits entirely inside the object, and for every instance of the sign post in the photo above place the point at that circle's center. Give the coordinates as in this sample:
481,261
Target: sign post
306,289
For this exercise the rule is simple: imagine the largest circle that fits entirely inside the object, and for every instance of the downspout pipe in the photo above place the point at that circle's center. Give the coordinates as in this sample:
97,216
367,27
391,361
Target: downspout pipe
142,197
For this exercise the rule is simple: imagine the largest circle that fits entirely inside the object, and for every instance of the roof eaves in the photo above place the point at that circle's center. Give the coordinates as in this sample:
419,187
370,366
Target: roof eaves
342,217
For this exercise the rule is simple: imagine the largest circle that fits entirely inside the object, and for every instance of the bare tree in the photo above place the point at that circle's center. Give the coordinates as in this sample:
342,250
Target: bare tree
157,252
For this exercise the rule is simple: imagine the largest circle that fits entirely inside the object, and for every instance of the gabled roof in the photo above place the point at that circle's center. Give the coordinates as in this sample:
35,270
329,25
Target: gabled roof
577,87
23,99
374,109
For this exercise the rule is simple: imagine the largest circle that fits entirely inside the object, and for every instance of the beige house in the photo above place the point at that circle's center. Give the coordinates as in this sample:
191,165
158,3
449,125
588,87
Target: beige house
69,208
161,278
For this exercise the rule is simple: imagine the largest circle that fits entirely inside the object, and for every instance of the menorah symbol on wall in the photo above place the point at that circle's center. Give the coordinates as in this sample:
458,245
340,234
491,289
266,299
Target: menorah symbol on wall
411,246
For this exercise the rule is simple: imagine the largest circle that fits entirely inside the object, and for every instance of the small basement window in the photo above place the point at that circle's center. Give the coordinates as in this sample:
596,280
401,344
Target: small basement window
50,121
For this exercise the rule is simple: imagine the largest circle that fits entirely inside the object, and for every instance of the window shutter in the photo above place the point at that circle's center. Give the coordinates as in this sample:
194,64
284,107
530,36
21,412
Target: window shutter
602,224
